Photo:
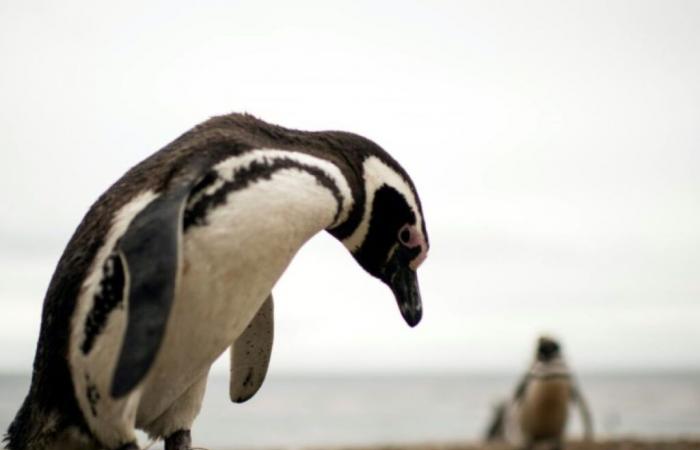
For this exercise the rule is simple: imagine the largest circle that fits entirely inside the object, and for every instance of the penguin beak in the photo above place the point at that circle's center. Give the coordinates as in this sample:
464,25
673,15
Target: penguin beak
403,282
405,288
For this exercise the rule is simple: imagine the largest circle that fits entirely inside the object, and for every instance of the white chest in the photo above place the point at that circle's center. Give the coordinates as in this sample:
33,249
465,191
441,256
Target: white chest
229,266
231,263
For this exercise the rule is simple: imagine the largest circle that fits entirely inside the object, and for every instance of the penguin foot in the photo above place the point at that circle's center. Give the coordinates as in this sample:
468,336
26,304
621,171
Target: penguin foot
179,440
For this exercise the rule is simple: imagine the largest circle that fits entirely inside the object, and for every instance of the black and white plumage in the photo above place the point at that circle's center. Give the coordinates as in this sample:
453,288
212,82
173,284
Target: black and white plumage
538,411
176,261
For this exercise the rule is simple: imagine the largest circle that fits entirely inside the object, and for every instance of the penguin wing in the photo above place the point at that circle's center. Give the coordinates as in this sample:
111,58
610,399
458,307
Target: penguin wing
579,399
150,251
522,386
250,354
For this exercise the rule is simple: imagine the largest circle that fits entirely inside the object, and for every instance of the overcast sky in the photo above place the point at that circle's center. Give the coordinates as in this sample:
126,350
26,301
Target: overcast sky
554,145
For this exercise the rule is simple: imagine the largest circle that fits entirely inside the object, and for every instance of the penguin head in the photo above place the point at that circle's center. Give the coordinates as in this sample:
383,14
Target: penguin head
390,241
547,349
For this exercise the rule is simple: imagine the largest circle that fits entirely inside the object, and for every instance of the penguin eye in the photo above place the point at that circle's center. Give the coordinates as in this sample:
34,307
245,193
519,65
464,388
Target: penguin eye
405,235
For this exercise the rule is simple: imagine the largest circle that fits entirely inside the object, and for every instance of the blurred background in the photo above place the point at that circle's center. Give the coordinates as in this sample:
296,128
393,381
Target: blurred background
554,145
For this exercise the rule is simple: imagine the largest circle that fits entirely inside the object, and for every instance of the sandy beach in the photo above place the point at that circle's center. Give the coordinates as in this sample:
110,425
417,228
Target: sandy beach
614,444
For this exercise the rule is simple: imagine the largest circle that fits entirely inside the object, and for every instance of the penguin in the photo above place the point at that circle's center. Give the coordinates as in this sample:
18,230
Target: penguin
537,413
175,263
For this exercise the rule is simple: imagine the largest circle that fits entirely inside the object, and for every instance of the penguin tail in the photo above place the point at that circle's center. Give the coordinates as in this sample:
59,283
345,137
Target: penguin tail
496,430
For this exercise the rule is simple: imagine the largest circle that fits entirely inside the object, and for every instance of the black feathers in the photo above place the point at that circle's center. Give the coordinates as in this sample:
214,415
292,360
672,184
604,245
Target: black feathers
109,295
150,248
389,213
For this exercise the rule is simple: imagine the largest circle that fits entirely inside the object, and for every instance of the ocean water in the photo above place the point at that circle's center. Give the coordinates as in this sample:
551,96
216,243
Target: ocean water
297,411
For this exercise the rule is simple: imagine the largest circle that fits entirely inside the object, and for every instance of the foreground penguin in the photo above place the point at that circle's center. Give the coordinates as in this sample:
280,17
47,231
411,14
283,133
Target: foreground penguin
538,412
175,263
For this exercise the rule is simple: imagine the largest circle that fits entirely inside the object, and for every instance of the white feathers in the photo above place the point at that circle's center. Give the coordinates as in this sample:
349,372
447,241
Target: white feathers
231,261
228,265
228,167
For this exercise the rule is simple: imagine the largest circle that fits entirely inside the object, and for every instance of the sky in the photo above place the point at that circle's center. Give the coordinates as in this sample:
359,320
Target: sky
554,145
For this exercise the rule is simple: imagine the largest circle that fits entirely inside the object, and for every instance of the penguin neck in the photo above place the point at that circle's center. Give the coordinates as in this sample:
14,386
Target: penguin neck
294,193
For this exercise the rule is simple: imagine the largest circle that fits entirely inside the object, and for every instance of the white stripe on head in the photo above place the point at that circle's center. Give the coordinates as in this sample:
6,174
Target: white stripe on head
227,168
377,174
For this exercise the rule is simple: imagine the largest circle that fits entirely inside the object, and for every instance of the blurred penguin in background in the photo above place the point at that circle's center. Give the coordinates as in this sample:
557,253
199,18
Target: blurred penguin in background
536,415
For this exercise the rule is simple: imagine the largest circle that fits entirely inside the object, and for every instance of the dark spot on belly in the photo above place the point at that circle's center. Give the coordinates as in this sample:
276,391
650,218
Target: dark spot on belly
92,395
109,296
248,378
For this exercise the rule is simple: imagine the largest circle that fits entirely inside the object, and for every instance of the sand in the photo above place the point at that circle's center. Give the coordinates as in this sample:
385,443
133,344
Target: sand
617,444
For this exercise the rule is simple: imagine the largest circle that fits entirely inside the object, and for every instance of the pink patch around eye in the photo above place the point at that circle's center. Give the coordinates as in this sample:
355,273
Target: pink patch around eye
414,238
418,260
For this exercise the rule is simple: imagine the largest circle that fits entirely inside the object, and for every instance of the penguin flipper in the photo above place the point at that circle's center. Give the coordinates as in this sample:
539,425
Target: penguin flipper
520,389
250,354
496,430
580,400
150,253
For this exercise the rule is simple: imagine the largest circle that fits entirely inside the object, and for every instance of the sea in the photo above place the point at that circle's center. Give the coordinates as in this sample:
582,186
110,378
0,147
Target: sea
295,411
